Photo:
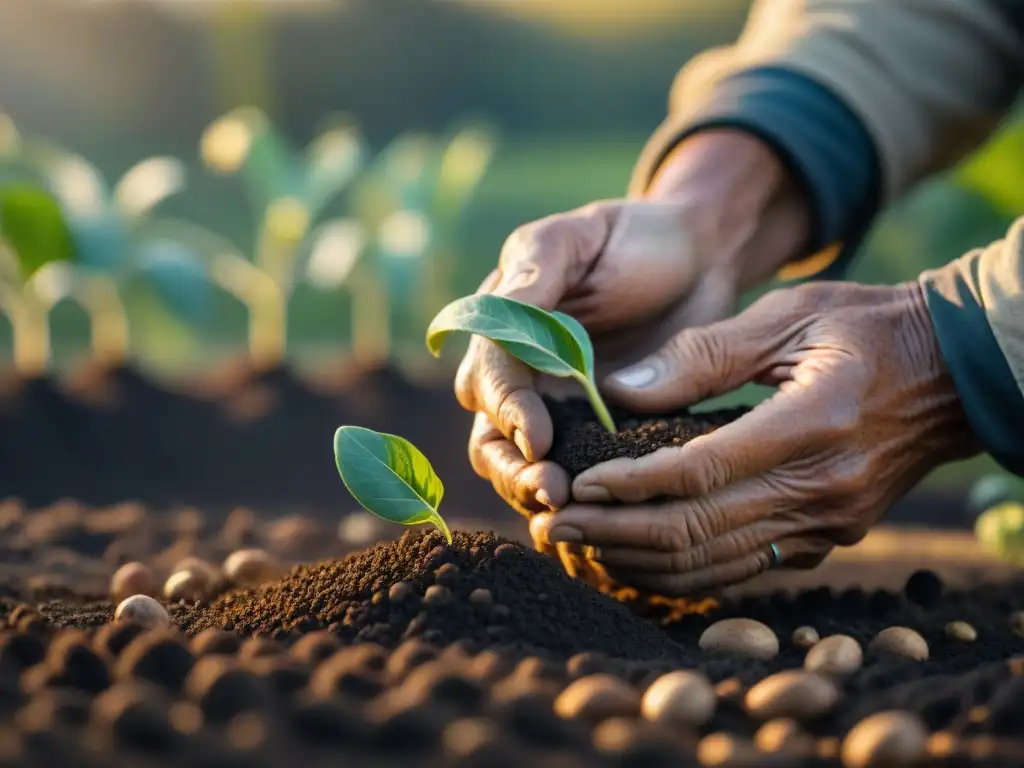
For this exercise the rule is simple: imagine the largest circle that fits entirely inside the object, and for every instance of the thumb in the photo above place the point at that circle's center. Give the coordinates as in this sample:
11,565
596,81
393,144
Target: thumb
544,260
700,363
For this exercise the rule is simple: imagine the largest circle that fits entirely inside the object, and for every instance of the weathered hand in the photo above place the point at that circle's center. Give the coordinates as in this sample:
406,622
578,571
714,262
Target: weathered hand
864,409
633,272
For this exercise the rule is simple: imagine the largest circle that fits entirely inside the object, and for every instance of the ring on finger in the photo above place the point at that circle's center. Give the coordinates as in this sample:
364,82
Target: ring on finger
776,556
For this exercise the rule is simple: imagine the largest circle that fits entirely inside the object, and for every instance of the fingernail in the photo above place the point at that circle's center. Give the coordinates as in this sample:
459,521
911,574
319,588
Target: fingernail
637,377
524,446
565,534
592,494
542,497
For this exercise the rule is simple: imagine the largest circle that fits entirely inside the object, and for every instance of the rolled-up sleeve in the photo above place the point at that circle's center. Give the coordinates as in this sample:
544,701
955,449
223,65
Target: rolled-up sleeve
860,98
977,309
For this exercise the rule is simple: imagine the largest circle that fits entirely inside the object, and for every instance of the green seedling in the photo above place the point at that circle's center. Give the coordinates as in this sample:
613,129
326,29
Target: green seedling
550,342
389,477
1000,530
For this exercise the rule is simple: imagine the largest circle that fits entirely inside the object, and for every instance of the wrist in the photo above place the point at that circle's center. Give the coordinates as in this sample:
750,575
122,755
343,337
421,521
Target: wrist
755,217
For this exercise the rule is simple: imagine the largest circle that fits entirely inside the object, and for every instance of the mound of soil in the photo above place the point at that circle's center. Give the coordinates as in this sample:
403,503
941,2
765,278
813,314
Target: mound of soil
482,589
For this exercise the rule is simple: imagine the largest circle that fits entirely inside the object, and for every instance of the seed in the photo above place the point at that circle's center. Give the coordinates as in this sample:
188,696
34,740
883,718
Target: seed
399,591
962,631
838,655
251,567
481,597
437,595
741,637
794,693
598,697
142,610
782,734
132,579
185,585
679,698
725,749
885,739
805,637
900,641
1017,623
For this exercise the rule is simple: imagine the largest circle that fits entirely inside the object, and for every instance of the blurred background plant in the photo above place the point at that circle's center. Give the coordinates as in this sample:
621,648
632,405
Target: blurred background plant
338,238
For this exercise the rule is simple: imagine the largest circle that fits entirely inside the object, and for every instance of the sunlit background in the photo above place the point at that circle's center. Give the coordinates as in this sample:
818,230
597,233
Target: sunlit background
306,182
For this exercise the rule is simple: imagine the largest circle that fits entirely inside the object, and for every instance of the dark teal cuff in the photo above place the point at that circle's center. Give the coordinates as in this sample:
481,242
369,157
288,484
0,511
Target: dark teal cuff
989,393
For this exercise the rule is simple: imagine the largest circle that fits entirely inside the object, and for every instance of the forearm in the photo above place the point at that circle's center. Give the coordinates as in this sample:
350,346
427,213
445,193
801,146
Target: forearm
976,305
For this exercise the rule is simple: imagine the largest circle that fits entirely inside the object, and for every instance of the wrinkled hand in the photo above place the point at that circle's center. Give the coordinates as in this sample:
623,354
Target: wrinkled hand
630,272
864,409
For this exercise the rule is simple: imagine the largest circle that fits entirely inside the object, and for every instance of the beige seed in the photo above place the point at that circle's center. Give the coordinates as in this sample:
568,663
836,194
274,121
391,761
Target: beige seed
726,749
741,637
251,567
198,565
805,637
891,738
598,697
962,631
900,641
782,734
185,585
837,655
794,693
132,579
679,698
142,610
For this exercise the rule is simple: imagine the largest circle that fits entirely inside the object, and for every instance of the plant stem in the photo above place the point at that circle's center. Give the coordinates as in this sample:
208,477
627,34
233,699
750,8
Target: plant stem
30,328
109,319
442,526
266,302
599,407
371,332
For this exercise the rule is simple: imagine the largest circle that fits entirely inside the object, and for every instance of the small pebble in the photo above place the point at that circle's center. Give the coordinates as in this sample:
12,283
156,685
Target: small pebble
133,578
891,738
741,637
142,610
837,655
251,567
399,591
598,697
794,693
804,637
899,641
725,749
186,585
782,734
436,595
679,698
962,631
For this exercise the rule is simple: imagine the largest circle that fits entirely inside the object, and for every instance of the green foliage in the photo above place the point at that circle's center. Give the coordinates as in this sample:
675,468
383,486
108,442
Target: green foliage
1000,530
33,226
549,342
389,477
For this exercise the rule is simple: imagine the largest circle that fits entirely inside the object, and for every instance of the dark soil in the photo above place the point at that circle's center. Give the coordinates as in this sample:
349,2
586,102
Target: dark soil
420,653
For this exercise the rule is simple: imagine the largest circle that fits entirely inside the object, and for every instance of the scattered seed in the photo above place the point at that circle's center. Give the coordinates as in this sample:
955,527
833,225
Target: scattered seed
185,585
891,738
793,693
837,655
805,637
481,597
598,697
741,637
679,698
436,595
133,578
962,631
142,610
900,641
251,567
782,734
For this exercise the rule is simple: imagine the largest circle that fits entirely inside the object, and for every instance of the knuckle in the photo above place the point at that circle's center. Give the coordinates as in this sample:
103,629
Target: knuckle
851,479
665,537
702,471
841,422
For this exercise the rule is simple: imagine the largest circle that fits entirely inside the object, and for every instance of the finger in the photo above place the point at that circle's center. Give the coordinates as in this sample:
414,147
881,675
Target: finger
703,362
731,545
535,487
721,575
787,426
672,526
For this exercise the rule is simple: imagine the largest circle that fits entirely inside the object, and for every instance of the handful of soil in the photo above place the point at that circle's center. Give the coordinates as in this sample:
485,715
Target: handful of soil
580,441
482,590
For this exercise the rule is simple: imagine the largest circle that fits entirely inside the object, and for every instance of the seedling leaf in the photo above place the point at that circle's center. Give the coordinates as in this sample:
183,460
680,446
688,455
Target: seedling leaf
549,342
33,225
389,477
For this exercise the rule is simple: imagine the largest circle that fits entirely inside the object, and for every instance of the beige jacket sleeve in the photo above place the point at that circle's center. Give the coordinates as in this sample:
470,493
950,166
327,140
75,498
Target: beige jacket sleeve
930,79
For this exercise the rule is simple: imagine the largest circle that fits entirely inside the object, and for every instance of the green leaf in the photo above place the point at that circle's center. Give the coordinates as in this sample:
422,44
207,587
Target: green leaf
33,225
549,342
389,477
